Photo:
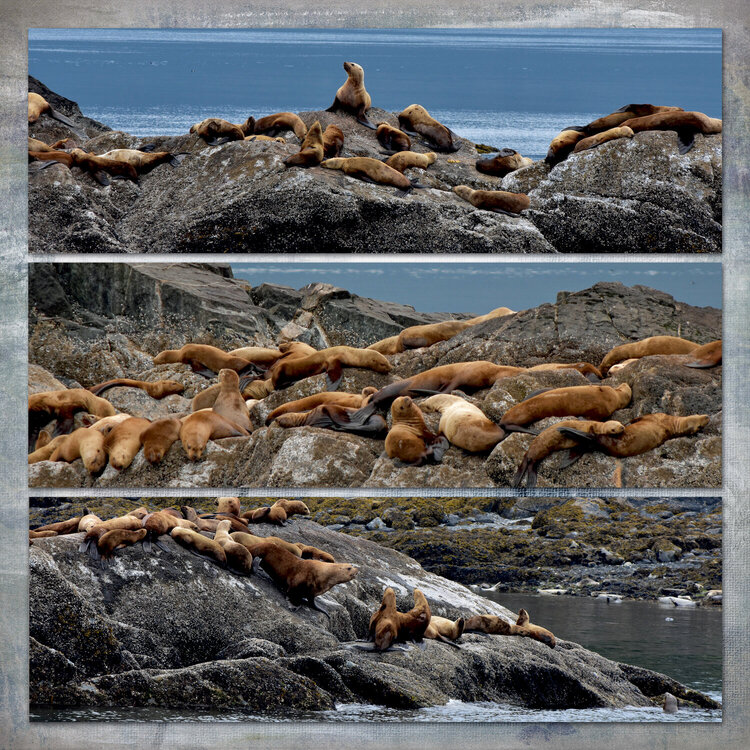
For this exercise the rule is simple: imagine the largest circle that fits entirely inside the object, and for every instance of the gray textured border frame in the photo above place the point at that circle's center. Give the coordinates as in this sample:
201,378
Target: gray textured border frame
730,15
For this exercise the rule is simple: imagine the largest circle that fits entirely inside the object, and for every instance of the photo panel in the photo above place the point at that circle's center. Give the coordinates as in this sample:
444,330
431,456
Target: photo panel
375,141
375,609
366,375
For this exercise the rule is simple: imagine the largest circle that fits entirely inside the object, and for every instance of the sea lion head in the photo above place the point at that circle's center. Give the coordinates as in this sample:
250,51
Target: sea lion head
96,459
611,427
403,408
696,422
343,572
119,457
463,191
229,378
355,72
335,163
430,156
193,445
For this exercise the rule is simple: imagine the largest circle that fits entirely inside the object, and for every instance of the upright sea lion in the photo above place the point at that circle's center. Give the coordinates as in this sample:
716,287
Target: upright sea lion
686,124
670,704
158,438
97,166
563,144
409,439
551,439
354,400
333,141
336,417
204,359
201,426
158,389
216,131
522,627
229,403
144,161
331,361
124,441
641,435
464,424
274,124
404,160
392,139
301,579
645,348
606,135
86,444
371,170
311,151
238,556
445,630
200,545
415,119
499,201
388,626
352,96
708,355
625,113
503,162
590,401
38,106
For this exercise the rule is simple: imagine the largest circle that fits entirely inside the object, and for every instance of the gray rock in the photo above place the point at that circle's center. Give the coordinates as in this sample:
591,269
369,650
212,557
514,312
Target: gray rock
375,524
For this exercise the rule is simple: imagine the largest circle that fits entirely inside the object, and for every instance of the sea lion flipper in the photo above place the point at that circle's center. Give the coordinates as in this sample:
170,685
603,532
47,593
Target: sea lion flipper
333,375
443,639
146,544
685,139
572,456
163,547
421,643
84,545
314,605
62,118
176,159
415,183
535,393
217,141
573,433
520,475
148,148
362,120
439,447
101,177
201,369
334,106
519,428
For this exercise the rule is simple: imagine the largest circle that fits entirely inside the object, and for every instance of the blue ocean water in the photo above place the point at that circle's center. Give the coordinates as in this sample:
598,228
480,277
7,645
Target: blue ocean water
511,88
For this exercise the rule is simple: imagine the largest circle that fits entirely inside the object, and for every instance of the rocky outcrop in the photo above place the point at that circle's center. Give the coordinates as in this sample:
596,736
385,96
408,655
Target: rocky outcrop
102,638
629,195
94,338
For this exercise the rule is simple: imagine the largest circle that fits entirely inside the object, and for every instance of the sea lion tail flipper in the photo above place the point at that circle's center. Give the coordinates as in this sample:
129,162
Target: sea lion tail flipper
84,545
245,381
148,148
163,547
314,605
518,428
572,456
415,183
334,106
250,369
217,141
702,363
333,376
421,643
146,544
101,177
443,639
97,389
424,391
521,474
438,448
685,139
62,118
176,159
362,120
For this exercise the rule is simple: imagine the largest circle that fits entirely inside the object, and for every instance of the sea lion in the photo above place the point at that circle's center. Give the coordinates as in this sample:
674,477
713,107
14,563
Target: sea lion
392,139
670,704
311,151
503,162
34,144
445,630
686,124
415,119
551,439
411,160
116,539
522,627
88,522
229,403
267,514
228,505
97,166
250,540
464,424
333,141
641,434
158,389
371,170
70,526
292,507
274,124
331,361
38,106
256,389
563,144
606,135
596,402
336,417
144,161
204,359
40,535
354,400
301,579
645,348
261,356
201,426
200,545
499,201
708,355
158,438
388,626
277,139
105,425
387,346
124,441
62,405
157,524
44,452
409,439
415,337
97,531
296,349
628,112
313,553
239,558
352,96
141,512
216,131
585,368
86,444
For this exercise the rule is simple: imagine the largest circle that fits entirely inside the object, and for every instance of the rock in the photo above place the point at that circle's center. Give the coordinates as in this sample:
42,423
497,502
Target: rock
666,551
375,524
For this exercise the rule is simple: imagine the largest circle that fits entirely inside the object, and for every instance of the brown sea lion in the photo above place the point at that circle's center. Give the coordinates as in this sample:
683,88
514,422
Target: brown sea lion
97,166
70,526
97,531
201,426
331,361
708,355
503,162
216,131
124,441
647,347
158,438
371,170
464,424
229,505
499,201
40,535
200,545
36,145
44,452
267,514
292,507
88,522
415,337
445,630
416,120
301,579
277,139
612,134
276,123
105,425
144,161
229,403
336,417
388,626
354,400
86,444
311,151
333,141
62,405
410,160
141,512
158,389
157,524
409,439
563,144
204,359
116,539
352,96
522,627
38,106
238,556
686,124
640,435
551,439
250,540
590,401
392,139
390,345
628,112
313,553
585,368
262,356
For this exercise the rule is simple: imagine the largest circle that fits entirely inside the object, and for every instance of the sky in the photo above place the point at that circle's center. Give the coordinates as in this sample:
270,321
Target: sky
479,287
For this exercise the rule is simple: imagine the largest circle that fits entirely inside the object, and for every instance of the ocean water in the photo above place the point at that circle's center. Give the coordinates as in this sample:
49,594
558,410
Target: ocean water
507,88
